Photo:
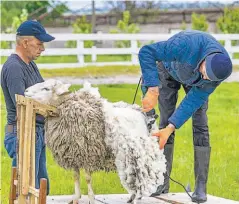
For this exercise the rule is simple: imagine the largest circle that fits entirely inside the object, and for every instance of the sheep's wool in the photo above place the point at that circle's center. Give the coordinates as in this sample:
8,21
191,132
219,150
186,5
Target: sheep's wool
77,137
140,163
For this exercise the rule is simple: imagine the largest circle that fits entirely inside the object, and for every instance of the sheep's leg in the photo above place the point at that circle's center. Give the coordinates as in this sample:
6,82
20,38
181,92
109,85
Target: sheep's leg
77,195
90,190
77,186
132,198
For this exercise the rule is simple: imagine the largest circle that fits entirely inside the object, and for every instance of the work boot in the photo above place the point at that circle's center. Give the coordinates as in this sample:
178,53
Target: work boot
201,167
168,152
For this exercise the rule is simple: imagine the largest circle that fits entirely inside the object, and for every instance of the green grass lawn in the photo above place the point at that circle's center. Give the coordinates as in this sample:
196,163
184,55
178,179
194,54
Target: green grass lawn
223,181
92,71
73,58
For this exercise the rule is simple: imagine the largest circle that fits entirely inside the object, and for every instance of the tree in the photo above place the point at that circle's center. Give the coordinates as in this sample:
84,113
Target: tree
120,6
228,23
199,22
81,25
9,9
123,26
36,8
16,22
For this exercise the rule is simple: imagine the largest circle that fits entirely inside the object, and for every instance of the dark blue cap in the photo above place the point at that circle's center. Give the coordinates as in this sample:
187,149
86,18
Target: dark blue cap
34,28
218,66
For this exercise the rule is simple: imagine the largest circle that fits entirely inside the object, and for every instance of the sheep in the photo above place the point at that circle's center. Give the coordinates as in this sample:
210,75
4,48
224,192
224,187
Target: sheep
94,134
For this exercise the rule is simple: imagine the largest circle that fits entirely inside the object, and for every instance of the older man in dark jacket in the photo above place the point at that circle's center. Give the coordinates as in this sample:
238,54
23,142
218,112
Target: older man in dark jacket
199,63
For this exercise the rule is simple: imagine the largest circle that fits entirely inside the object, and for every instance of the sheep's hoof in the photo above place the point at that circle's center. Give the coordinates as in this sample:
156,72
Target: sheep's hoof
131,199
74,202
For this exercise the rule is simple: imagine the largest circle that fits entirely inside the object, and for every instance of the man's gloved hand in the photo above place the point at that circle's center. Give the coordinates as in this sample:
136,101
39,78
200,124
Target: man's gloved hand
164,134
150,99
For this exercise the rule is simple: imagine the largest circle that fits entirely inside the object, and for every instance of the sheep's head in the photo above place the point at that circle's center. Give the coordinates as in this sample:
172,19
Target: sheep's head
48,91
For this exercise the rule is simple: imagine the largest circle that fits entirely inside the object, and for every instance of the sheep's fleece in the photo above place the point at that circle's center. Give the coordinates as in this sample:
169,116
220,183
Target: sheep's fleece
92,133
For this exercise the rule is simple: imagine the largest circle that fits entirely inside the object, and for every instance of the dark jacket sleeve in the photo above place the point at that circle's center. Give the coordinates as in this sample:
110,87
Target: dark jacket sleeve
194,99
15,83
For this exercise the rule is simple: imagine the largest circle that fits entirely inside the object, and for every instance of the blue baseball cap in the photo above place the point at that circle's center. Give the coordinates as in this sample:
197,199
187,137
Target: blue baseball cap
34,28
218,66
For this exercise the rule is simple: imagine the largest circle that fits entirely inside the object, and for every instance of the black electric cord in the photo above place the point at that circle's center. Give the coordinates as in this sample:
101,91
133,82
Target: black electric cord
136,90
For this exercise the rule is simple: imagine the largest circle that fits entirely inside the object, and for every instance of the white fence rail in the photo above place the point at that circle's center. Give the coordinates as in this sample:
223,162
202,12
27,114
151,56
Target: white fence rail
80,51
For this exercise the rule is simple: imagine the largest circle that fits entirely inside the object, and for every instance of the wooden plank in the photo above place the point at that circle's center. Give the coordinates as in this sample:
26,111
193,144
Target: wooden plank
45,112
32,161
43,191
20,133
34,191
12,195
36,105
27,147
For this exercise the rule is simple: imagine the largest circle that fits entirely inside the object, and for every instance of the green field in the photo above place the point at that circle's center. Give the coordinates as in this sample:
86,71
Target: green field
73,58
91,71
223,181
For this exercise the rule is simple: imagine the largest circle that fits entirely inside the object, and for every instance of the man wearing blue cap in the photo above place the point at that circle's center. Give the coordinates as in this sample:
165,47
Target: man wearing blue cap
199,63
18,73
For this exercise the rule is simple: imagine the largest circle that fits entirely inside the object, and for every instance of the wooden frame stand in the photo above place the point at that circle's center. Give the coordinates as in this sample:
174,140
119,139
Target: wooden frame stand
23,189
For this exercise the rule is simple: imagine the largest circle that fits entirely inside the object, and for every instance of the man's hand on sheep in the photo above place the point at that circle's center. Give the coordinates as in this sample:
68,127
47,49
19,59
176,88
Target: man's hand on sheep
164,134
151,99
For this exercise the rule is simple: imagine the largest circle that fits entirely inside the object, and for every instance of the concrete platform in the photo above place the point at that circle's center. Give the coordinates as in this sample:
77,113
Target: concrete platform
175,198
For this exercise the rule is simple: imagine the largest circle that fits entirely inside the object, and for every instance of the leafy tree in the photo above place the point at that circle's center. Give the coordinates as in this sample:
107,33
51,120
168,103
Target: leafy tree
54,12
8,10
229,22
16,22
81,25
199,22
124,26
119,6
37,7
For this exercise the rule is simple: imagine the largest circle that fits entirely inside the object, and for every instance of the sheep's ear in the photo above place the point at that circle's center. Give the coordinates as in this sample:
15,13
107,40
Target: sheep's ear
62,89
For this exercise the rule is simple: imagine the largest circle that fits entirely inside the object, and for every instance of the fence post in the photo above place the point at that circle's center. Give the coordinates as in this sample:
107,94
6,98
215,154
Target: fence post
80,55
134,55
93,54
228,46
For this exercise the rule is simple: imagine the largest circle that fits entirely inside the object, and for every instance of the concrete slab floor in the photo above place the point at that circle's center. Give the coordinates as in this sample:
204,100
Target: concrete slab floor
175,198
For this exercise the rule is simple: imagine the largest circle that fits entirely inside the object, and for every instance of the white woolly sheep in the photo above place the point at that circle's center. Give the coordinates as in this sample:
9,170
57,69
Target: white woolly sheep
94,134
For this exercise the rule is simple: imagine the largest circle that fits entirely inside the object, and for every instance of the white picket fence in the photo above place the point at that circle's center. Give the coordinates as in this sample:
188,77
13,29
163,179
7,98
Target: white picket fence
80,51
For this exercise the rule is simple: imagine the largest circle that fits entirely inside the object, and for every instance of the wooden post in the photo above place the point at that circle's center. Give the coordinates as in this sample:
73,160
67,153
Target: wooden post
33,146
27,147
228,47
20,135
134,56
93,54
42,193
80,48
13,188
24,174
